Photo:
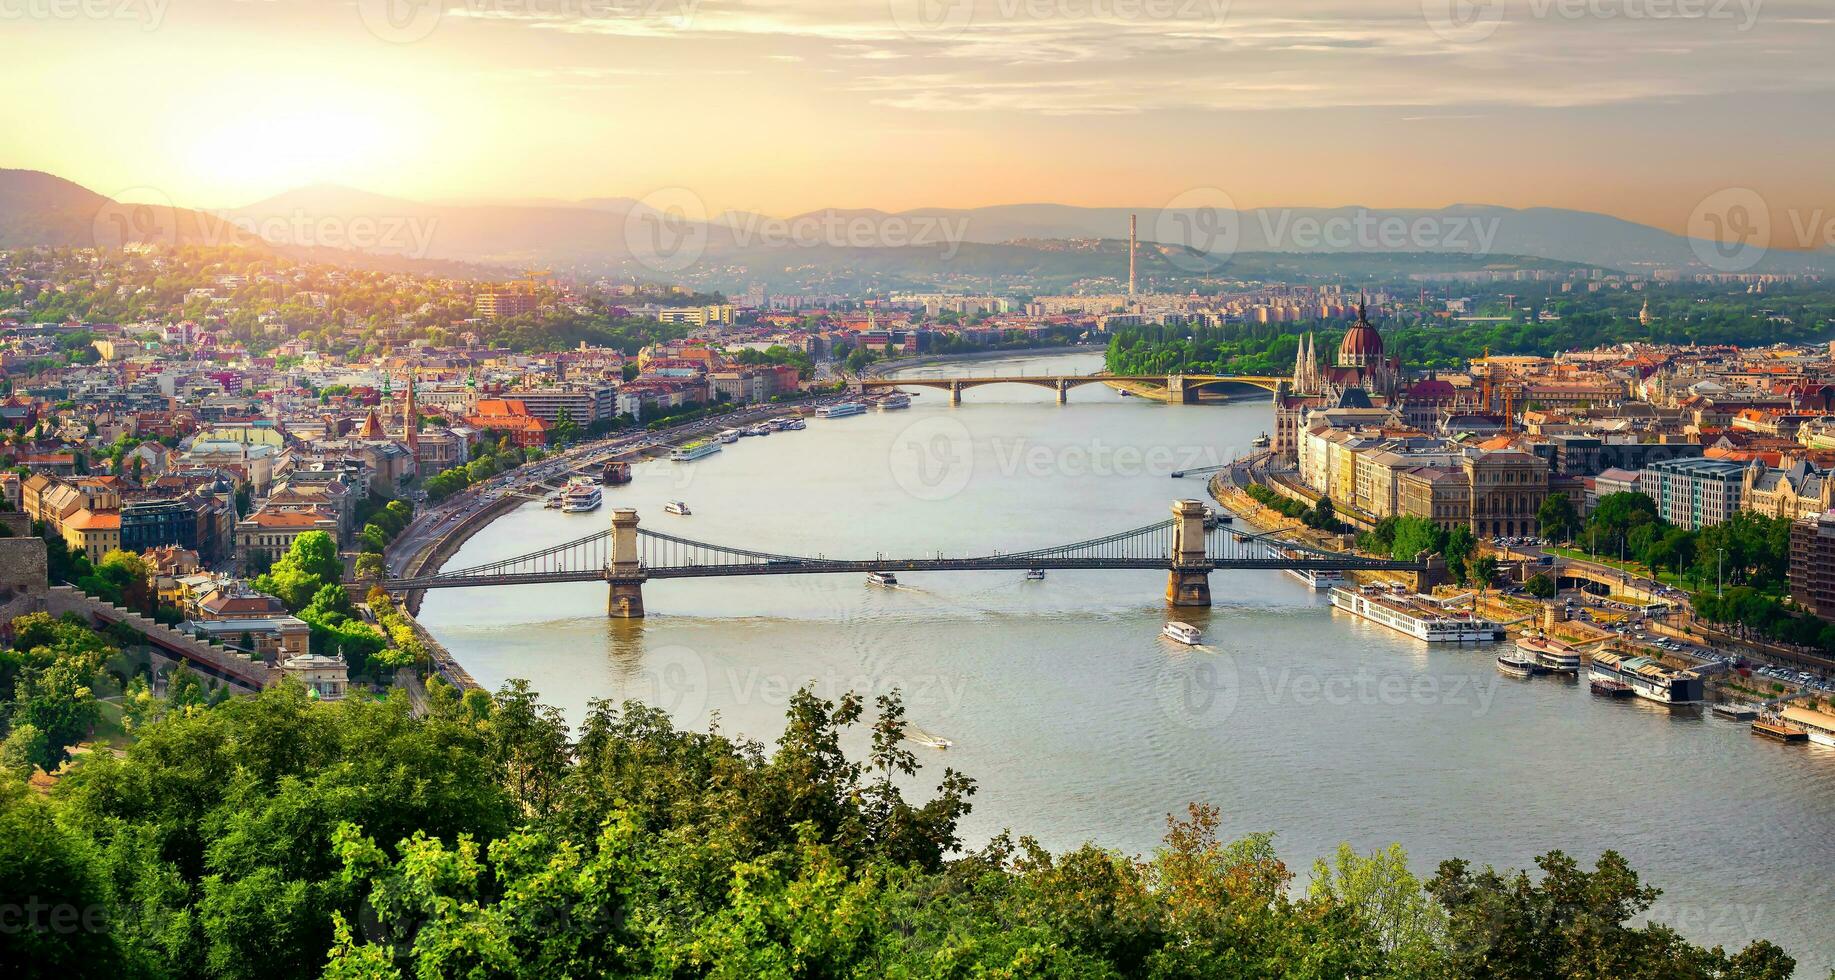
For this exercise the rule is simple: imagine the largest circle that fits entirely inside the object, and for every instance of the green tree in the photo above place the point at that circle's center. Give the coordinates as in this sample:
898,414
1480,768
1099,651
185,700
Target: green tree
1557,517
1541,586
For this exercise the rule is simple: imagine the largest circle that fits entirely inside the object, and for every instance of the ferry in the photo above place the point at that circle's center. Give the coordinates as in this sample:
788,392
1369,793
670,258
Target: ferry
894,402
581,496
755,430
1185,633
677,507
1262,441
1415,615
1518,665
617,473
694,451
729,436
1035,575
882,578
1550,653
1647,678
794,424
841,410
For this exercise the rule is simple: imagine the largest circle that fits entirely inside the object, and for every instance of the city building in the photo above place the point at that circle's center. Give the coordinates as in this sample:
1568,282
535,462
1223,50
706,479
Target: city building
1694,493
1812,565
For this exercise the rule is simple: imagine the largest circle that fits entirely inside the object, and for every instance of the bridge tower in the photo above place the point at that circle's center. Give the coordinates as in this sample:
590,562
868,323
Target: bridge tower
625,572
1189,581
955,392
1063,391
1177,393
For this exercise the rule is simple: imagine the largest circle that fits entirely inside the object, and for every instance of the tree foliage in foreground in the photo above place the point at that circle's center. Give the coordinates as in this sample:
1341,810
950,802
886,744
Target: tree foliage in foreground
276,836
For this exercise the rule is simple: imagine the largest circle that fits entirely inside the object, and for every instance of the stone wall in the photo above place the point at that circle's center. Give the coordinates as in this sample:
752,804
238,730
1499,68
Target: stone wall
23,577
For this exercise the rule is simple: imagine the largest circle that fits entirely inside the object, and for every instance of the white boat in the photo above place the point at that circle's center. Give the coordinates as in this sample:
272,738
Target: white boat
730,436
1185,633
1518,665
694,451
1550,653
581,496
882,578
842,410
1318,579
1262,441
678,507
755,430
1415,616
793,424
895,401
1035,575
1647,678
928,740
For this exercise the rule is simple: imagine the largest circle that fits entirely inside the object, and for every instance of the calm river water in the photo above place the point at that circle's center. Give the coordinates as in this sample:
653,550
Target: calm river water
1081,723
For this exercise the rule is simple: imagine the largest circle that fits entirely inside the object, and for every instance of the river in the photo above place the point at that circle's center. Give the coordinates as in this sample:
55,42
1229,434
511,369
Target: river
1081,723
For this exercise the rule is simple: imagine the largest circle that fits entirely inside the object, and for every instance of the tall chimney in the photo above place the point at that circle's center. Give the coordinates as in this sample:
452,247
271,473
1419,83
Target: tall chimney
1131,219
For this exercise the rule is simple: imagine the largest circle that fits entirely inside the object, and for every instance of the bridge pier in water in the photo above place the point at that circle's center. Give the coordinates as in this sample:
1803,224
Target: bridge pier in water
955,392
624,572
1188,583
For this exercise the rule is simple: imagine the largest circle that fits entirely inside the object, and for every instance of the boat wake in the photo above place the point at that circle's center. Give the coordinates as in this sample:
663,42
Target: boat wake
919,736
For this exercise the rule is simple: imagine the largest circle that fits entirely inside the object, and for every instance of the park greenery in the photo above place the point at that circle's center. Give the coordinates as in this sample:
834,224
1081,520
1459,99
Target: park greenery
1737,571
308,579
503,455
1681,314
1410,538
1321,516
276,836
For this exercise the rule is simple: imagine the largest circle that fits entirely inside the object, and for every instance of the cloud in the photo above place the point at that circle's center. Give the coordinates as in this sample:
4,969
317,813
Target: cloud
1102,57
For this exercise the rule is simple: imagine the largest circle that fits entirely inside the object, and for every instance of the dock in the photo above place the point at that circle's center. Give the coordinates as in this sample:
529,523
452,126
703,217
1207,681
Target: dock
1779,731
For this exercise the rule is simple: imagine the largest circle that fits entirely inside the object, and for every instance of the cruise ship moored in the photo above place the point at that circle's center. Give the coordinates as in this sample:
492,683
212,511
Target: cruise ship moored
1647,678
841,410
695,450
1415,615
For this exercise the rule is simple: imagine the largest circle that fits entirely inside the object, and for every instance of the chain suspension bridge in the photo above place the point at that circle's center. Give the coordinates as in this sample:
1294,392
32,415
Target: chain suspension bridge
626,555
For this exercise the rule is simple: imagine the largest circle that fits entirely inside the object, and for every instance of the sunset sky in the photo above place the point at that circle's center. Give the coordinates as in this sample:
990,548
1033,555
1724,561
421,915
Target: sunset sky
779,106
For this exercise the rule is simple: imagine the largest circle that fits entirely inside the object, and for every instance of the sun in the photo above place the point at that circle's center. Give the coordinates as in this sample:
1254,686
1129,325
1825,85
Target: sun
264,153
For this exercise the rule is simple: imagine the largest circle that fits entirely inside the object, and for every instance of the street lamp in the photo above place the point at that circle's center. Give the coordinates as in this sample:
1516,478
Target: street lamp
1718,552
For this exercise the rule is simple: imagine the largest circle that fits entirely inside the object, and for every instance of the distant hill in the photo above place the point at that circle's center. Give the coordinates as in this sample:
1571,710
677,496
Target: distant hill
37,208
1057,241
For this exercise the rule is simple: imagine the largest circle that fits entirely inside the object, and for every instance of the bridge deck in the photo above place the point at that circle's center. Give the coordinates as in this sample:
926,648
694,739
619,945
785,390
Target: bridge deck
863,566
